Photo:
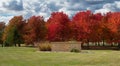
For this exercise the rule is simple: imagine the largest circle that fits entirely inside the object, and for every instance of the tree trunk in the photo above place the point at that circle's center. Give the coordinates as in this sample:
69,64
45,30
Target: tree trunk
103,42
88,43
119,46
2,45
19,45
15,45
98,43
81,44
112,44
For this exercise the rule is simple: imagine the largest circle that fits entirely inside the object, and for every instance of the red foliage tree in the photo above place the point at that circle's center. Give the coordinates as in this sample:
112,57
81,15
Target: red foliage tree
58,27
113,24
81,28
95,27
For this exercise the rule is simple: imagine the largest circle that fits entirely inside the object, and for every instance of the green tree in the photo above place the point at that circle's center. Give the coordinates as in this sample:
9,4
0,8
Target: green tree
13,31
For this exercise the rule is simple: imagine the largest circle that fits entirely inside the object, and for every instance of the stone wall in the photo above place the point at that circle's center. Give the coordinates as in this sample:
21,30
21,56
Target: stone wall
65,46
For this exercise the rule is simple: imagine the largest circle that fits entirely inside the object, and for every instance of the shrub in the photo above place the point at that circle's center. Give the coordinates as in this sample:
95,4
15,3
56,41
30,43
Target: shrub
75,50
45,47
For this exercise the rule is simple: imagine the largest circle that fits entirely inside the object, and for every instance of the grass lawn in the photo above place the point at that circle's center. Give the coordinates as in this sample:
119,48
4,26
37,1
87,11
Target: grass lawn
22,56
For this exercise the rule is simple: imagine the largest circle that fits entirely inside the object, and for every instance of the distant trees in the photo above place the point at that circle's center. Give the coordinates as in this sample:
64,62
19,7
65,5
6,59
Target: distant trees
84,26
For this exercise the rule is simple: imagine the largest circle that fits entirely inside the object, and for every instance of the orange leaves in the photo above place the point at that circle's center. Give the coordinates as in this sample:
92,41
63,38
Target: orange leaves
81,21
35,29
113,21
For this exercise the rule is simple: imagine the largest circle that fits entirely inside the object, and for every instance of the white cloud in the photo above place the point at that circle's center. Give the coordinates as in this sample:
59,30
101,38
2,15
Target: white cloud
5,18
103,11
109,7
46,7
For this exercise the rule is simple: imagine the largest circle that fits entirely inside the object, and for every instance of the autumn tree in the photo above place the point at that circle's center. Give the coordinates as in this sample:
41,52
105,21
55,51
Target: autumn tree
95,28
81,27
113,24
35,30
2,26
13,31
58,27
84,26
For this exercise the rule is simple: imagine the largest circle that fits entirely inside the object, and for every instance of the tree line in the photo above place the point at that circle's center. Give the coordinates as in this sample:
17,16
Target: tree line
84,26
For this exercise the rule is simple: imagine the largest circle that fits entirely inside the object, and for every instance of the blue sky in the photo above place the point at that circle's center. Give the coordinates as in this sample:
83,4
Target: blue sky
27,8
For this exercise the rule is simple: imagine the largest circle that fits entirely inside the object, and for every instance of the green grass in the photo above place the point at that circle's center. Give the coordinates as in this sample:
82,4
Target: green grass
22,56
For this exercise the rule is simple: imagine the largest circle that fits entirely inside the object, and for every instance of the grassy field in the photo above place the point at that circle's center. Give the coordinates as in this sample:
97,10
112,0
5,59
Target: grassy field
22,56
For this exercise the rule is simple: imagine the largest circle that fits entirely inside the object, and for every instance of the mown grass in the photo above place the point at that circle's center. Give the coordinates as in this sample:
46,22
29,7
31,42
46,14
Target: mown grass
26,56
